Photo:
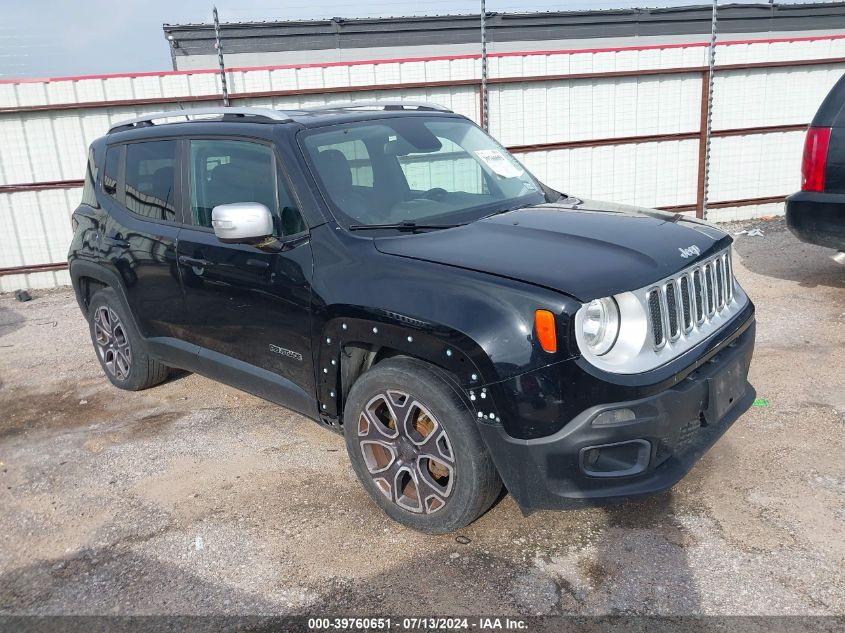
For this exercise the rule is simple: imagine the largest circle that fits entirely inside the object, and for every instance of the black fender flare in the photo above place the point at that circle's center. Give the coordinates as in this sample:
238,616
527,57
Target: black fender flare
80,268
442,347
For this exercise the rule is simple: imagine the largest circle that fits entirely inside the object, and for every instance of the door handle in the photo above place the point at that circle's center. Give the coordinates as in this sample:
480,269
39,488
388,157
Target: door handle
194,261
257,263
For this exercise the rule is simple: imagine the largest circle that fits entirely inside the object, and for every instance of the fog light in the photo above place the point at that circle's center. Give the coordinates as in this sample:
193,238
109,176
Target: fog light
614,417
621,459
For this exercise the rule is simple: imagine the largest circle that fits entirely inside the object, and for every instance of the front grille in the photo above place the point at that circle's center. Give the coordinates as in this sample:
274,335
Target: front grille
656,318
685,302
699,296
729,278
711,296
672,311
720,284
705,290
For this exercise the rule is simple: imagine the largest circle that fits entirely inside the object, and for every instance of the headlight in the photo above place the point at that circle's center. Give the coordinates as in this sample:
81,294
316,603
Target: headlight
600,325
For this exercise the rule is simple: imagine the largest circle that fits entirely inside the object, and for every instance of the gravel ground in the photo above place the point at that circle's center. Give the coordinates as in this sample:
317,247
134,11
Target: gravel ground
193,497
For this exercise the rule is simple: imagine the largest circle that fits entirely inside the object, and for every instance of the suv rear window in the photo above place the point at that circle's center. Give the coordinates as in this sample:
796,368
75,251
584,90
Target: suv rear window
149,179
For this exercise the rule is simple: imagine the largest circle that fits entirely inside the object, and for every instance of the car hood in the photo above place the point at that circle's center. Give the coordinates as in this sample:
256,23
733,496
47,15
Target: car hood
584,248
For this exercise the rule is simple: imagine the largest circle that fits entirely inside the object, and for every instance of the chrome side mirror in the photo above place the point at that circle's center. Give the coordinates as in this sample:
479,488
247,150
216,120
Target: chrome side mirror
242,222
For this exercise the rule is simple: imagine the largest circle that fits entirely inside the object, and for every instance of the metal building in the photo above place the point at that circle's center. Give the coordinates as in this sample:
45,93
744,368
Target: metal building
343,40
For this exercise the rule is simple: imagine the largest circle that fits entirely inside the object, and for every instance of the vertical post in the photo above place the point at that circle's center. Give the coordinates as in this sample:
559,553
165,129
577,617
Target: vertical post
485,101
703,152
220,58
707,117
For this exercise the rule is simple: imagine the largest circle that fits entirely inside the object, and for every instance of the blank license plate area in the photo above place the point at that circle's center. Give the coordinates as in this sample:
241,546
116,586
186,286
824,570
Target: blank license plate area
726,389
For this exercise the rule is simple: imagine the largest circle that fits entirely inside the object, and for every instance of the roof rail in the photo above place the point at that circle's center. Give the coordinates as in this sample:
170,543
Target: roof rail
380,105
259,114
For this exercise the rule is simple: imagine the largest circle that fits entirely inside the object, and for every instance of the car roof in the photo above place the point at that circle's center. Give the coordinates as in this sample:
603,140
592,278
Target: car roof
319,116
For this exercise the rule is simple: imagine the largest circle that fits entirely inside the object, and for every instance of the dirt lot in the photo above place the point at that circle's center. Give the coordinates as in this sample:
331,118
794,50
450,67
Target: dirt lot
196,498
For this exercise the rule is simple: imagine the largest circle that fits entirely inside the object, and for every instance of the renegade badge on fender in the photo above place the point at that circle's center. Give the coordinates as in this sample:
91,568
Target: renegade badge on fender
390,271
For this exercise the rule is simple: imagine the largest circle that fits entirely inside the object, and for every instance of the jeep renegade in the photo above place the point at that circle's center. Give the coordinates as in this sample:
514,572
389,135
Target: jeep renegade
393,273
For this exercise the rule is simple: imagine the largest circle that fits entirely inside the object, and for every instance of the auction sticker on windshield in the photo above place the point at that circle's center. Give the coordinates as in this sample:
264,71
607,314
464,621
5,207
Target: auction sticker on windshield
497,161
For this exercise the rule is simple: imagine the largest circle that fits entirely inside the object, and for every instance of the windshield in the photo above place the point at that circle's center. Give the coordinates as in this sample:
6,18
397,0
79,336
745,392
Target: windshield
417,169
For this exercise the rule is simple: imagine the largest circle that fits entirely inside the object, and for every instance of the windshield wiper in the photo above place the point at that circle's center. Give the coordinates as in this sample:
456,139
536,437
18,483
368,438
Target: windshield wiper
509,209
406,225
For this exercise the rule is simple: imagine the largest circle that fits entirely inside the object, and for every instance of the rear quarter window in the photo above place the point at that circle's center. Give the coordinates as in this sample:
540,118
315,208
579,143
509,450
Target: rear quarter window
150,175
111,170
89,196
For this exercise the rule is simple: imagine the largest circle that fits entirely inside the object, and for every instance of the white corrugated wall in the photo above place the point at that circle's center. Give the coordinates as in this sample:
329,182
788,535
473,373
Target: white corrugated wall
51,145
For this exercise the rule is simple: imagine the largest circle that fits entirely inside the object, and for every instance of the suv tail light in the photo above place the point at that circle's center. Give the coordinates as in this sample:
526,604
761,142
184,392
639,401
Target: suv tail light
814,163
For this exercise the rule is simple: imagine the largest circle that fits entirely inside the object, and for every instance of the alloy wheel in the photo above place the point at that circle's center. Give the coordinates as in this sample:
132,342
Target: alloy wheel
112,343
407,452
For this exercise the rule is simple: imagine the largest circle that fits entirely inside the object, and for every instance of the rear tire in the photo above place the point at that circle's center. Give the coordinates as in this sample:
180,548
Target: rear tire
119,346
414,446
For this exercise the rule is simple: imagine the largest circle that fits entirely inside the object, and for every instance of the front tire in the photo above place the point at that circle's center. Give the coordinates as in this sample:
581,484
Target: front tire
414,446
120,348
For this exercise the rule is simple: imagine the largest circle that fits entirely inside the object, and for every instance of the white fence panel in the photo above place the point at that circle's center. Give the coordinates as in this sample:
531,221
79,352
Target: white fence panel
771,96
574,110
780,51
38,232
746,212
41,220
206,82
647,174
46,279
756,166
461,99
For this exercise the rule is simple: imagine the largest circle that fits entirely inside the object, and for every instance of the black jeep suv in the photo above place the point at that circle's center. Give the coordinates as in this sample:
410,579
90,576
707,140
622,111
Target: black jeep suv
393,273
816,214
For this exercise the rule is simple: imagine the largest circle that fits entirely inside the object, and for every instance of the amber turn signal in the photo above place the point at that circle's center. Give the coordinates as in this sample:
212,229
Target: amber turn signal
544,321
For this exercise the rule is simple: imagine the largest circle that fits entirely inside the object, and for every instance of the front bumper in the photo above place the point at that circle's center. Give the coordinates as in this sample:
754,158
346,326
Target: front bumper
817,218
647,450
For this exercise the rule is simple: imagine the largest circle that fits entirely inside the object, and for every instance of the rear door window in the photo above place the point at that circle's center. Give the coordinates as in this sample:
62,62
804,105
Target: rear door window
150,177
